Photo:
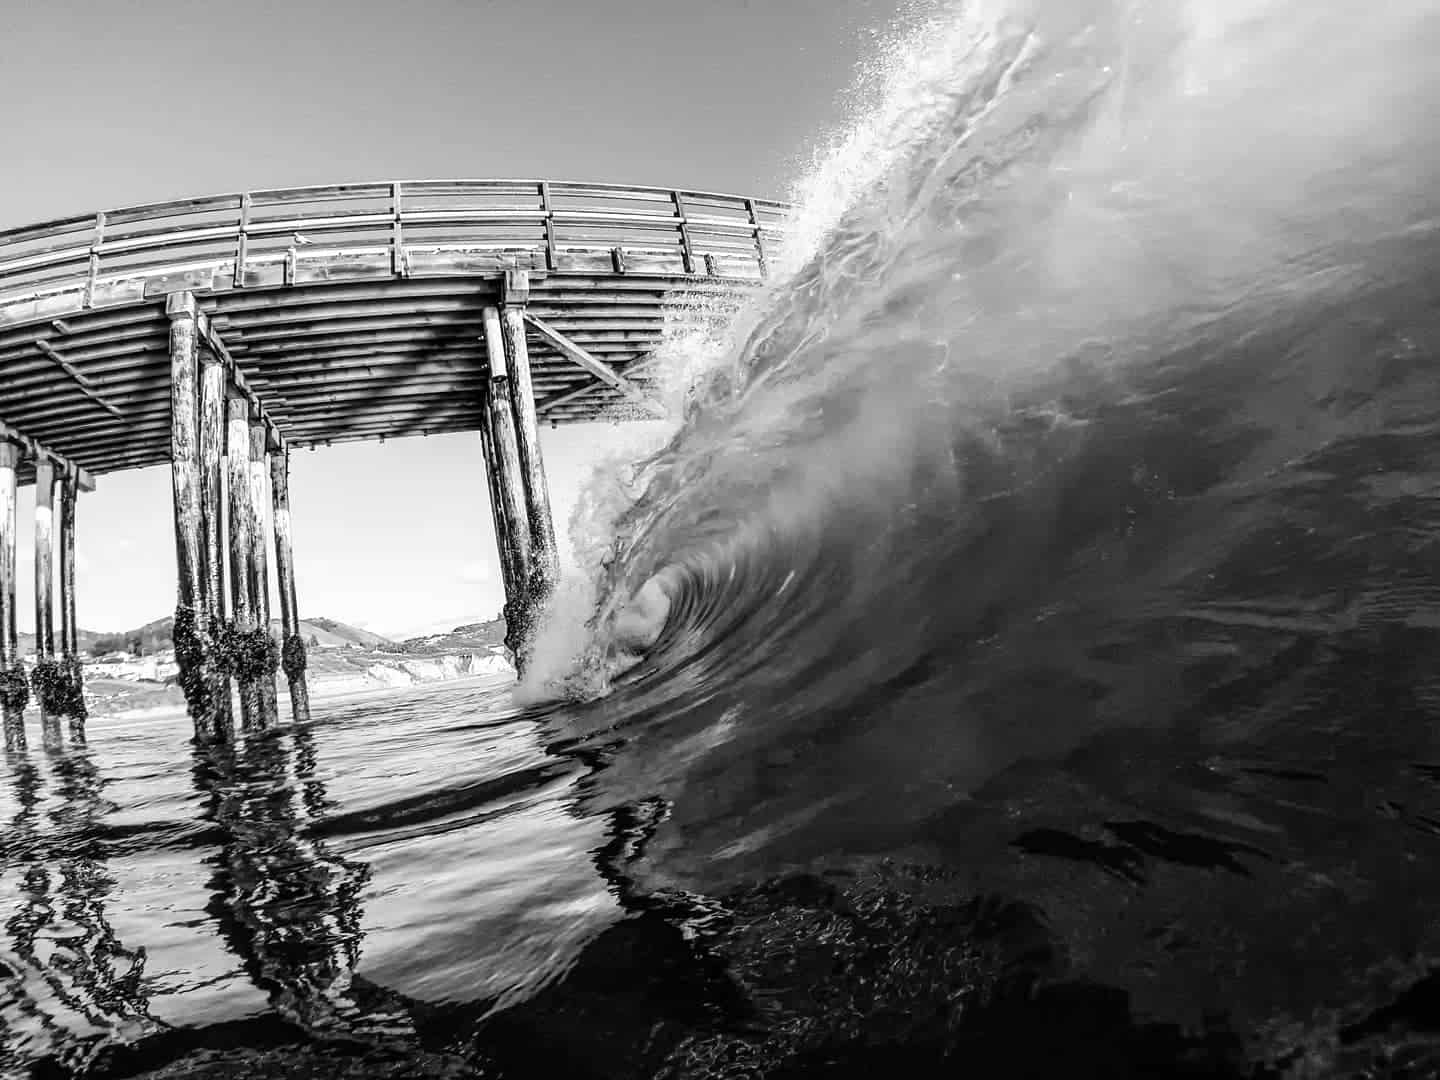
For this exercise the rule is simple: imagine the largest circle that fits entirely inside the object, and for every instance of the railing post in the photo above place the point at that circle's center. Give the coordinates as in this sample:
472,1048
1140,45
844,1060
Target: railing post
398,264
551,257
242,242
94,270
293,648
14,687
686,251
759,239
45,667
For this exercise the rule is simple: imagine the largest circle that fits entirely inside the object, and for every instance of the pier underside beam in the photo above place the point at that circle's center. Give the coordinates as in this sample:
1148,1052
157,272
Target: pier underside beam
507,485
292,653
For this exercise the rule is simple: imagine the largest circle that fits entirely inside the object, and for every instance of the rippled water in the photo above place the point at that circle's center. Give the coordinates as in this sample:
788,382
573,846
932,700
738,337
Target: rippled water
1039,670
417,841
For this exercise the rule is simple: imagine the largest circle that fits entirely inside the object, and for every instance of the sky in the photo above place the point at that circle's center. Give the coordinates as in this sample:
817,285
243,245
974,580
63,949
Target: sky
107,103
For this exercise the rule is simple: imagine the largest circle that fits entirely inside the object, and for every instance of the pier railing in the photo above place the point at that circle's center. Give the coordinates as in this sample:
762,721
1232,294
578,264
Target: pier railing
365,230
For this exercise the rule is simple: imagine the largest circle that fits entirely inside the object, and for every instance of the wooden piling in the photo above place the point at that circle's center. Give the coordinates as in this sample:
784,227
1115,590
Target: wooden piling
14,688
509,567
74,671
213,379
44,594
293,648
242,543
185,449
191,653
260,560
509,479
544,559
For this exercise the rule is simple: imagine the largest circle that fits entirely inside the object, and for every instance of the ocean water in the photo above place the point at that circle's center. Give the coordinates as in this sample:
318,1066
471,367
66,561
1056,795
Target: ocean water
1040,672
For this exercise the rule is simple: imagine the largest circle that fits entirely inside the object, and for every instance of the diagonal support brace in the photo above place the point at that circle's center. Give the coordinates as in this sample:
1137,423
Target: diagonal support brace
597,367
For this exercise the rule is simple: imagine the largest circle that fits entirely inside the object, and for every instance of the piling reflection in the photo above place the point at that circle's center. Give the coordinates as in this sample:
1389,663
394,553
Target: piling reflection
287,905
70,985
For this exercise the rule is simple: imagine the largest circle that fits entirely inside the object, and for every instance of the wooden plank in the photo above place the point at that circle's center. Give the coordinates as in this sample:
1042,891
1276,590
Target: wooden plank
460,187
14,719
321,193
201,279
595,366
40,259
506,215
88,329
345,221
55,226
207,204
167,236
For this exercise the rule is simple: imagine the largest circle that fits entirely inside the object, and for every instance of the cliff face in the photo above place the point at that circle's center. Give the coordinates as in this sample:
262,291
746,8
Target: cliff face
407,672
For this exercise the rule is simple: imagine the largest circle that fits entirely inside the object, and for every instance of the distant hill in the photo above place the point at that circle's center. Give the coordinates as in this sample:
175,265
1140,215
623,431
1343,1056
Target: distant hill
477,636
156,637
330,632
87,640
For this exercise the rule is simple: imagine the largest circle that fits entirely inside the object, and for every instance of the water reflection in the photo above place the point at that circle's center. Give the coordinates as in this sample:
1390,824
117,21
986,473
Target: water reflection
285,904
255,877
69,983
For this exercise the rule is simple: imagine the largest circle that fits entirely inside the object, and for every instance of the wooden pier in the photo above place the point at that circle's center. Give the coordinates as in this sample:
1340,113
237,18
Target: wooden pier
221,333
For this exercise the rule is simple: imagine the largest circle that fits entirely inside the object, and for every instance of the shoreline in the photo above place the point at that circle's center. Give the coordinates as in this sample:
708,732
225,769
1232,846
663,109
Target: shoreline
333,694
351,674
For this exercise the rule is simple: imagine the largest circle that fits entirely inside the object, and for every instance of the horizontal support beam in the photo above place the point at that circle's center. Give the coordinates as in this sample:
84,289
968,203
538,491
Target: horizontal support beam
37,451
